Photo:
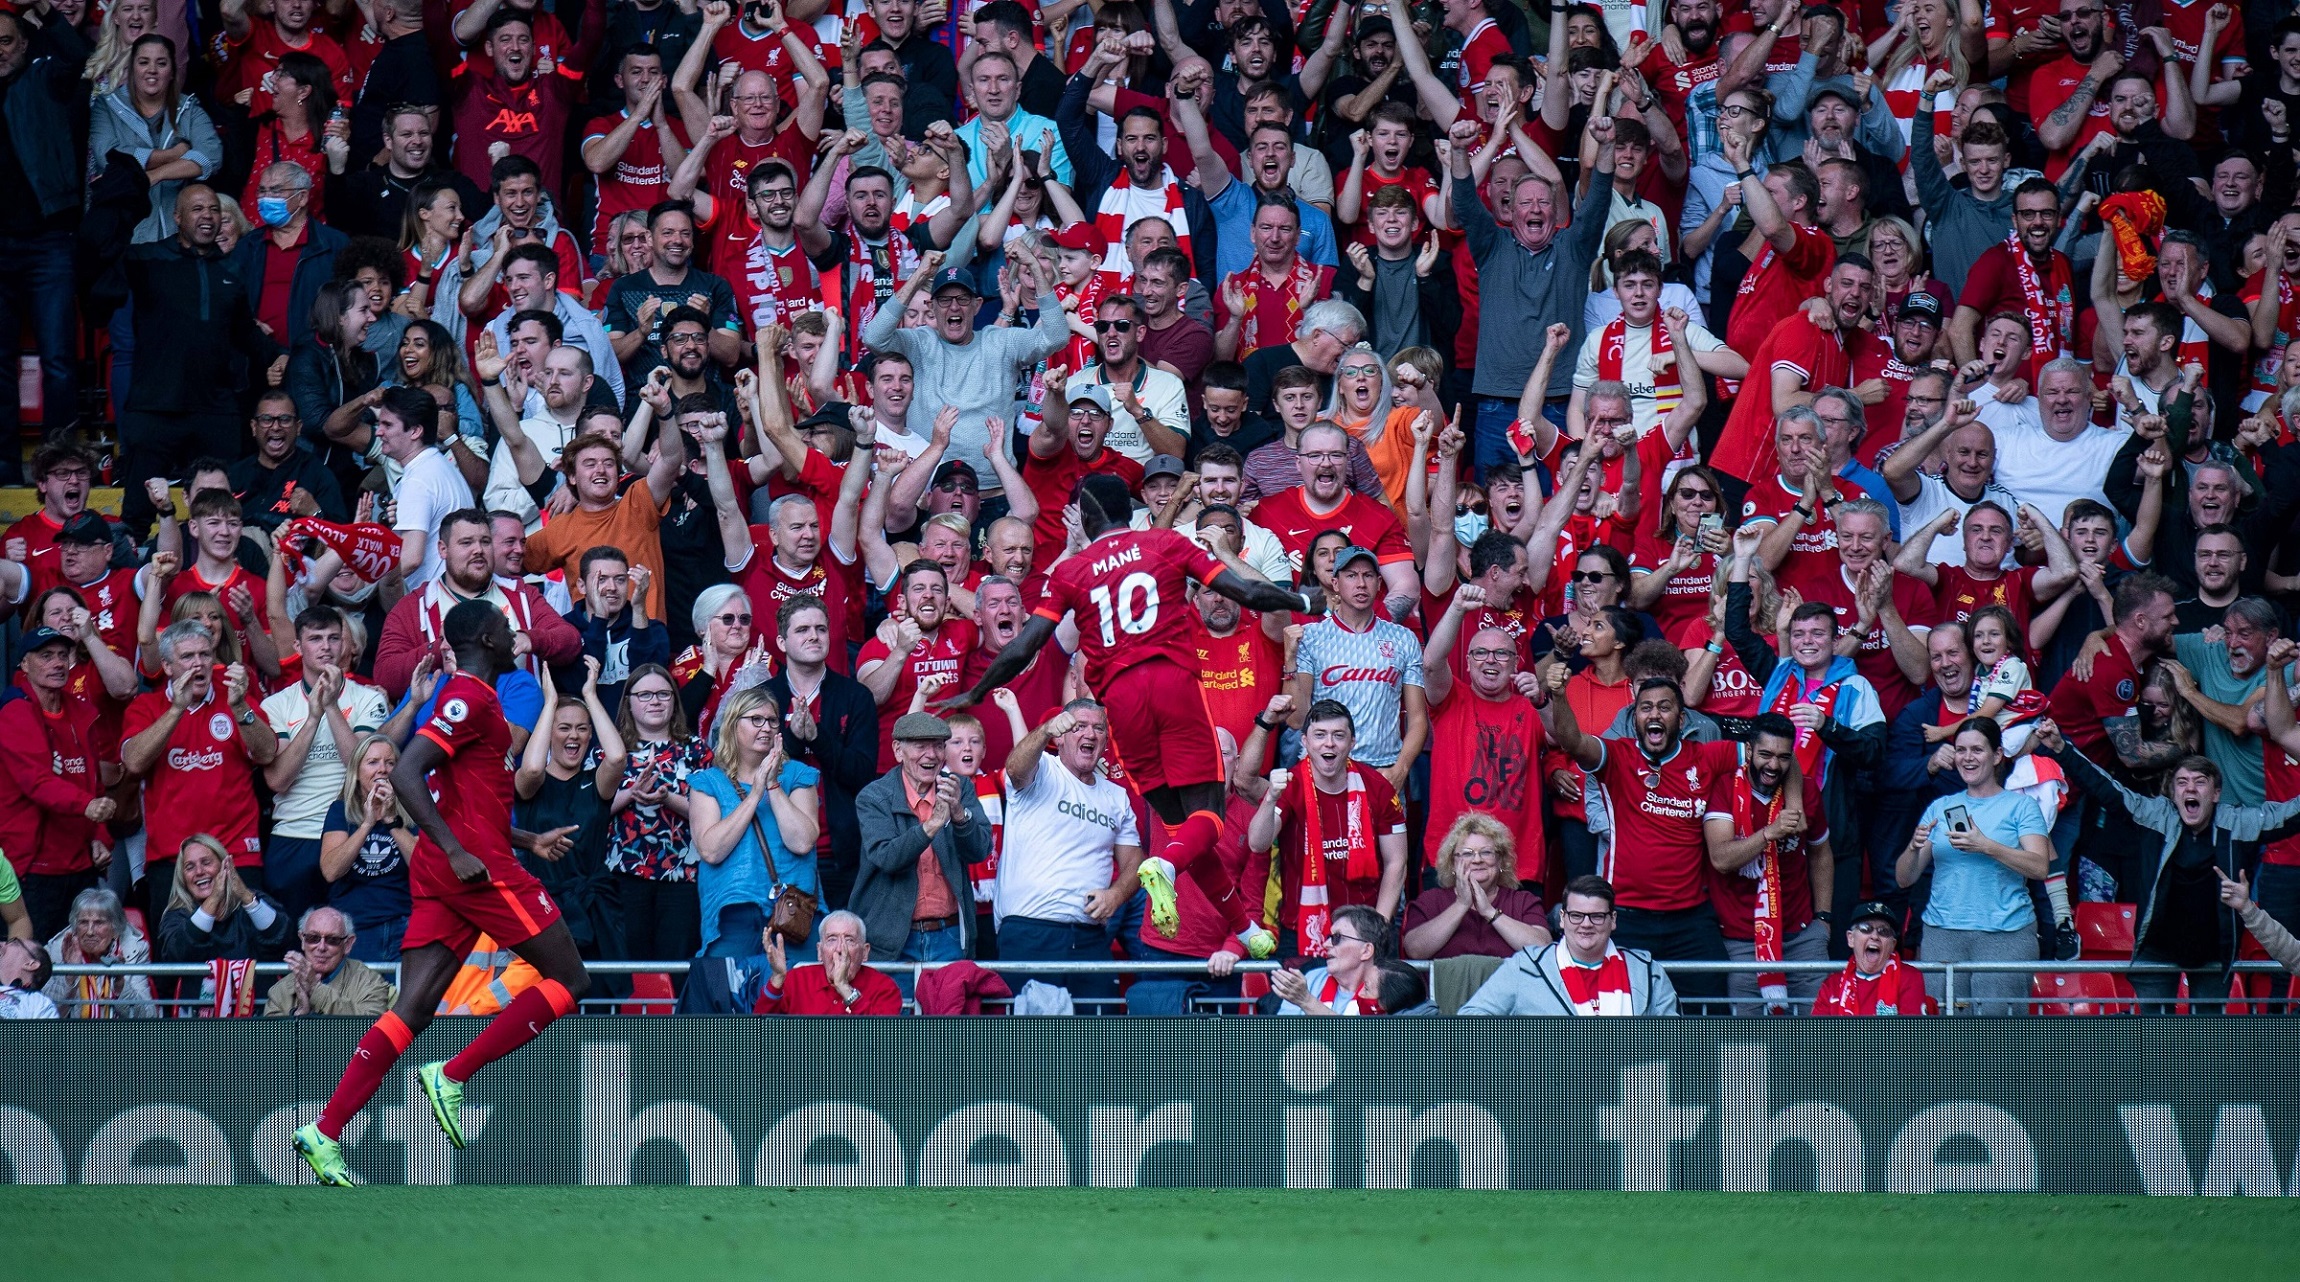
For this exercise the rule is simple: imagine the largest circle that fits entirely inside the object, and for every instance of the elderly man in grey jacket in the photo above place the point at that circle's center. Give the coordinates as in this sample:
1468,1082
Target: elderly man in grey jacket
921,826
1581,974
952,364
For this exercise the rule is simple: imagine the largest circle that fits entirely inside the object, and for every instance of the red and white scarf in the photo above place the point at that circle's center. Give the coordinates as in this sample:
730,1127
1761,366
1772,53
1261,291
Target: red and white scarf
867,289
1301,283
1668,390
1602,989
1811,752
1353,1003
231,988
1082,350
2051,313
1773,986
1123,204
369,550
1315,920
1859,994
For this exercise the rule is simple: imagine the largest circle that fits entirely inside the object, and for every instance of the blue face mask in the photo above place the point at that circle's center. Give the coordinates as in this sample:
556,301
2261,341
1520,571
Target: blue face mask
272,210
1468,526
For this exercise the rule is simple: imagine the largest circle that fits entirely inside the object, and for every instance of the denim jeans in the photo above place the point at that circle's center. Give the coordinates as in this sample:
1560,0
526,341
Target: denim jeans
1031,939
1490,442
927,946
36,286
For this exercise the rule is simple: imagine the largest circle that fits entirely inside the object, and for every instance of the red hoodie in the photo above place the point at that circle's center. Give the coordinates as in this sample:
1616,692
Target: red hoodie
412,631
47,778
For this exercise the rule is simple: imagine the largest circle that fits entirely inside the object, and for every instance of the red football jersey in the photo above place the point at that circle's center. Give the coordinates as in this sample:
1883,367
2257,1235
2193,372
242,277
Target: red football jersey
943,654
473,787
206,783
1658,859
1131,593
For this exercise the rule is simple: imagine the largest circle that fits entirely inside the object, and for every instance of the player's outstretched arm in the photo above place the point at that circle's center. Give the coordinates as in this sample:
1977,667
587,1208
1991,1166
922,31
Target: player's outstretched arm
1257,594
1007,666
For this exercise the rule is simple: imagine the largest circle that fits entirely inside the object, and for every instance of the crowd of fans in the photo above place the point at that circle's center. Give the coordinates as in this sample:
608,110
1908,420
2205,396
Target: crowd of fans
1780,483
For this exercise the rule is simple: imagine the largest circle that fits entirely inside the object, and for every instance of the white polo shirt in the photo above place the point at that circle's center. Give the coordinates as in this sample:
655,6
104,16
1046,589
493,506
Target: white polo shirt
299,811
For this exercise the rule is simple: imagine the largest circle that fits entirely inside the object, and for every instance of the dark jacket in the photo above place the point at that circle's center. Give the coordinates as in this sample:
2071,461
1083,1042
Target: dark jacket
402,73
372,201
650,644
264,493
44,106
893,841
196,334
235,937
1094,169
1440,304
1907,754
2236,838
845,749
316,381
315,265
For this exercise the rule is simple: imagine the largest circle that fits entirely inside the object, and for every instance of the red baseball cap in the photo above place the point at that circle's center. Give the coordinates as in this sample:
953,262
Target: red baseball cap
1083,236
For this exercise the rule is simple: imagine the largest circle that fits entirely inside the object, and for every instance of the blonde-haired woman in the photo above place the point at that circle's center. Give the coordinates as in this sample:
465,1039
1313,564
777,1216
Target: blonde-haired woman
1929,36
752,794
212,914
364,846
1477,909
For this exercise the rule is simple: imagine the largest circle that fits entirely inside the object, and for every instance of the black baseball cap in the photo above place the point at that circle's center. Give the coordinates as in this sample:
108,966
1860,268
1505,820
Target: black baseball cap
832,414
87,528
956,467
39,637
1875,910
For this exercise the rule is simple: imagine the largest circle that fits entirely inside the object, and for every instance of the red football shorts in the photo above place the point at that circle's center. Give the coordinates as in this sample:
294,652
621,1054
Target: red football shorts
1160,727
510,912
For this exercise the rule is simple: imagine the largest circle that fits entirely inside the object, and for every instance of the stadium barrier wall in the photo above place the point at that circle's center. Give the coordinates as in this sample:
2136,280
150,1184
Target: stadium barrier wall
2155,1106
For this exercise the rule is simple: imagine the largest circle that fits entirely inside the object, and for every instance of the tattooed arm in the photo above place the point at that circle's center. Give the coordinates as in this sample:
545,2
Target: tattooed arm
2058,131
2138,753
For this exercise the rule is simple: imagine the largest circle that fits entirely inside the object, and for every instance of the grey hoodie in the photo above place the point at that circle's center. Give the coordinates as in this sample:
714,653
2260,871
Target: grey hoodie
1962,227
1530,983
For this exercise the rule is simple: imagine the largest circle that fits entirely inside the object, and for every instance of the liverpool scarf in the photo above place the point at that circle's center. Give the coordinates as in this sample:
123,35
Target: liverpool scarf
2045,299
1812,754
1857,994
1602,989
867,286
1301,282
1315,919
369,550
1773,986
1123,204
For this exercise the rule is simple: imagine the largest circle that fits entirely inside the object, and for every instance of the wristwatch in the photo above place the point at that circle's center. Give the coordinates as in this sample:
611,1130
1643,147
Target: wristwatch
1269,726
246,717
1713,647
1803,512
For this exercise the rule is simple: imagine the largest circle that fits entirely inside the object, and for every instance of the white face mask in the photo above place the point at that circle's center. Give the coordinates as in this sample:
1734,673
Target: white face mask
1468,526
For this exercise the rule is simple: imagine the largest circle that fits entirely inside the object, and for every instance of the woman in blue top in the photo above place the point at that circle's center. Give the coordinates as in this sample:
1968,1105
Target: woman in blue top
752,793
365,858
1984,845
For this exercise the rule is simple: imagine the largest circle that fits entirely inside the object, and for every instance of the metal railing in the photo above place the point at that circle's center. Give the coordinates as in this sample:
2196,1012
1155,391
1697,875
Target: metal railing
1957,997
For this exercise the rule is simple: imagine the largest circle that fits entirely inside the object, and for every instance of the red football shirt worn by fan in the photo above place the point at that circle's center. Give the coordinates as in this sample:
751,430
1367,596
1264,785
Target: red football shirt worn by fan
1486,756
1813,553
1238,674
206,780
2054,84
1387,818
768,584
1777,281
1289,516
2078,707
1053,480
1875,660
1735,895
943,654
254,60
1817,357
1656,857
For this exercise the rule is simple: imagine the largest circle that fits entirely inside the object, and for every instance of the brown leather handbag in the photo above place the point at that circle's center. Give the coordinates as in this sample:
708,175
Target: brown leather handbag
790,910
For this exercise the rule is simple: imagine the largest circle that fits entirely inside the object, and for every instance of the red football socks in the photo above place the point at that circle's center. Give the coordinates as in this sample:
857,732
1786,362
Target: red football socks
527,1016
379,1048
1192,852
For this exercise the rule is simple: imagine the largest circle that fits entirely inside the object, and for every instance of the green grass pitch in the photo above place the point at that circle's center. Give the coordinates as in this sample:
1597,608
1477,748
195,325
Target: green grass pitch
571,1234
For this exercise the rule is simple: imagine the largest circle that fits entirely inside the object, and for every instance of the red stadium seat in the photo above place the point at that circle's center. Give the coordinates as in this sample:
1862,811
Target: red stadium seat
136,923
650,995
2081,993
2106,930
